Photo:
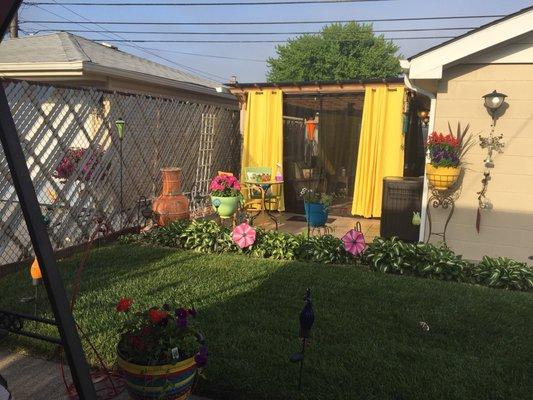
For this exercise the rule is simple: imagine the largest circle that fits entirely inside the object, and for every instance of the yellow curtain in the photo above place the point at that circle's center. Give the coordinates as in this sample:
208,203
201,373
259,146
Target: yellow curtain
263,134
380,148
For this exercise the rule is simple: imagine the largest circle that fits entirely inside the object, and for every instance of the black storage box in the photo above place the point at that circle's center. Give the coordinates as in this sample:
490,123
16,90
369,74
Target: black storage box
401,198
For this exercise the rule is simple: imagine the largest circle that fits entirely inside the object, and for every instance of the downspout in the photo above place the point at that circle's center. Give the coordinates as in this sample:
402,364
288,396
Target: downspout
431,126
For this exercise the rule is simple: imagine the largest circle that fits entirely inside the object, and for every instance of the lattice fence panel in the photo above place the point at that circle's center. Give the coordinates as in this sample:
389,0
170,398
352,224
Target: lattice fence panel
56,124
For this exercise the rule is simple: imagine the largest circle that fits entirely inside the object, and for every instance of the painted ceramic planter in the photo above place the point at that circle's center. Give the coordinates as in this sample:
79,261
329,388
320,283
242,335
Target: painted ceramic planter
316,214
166,382
225,206
442,178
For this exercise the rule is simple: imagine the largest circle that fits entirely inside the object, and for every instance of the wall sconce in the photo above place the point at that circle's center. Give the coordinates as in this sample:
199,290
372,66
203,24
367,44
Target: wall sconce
493,101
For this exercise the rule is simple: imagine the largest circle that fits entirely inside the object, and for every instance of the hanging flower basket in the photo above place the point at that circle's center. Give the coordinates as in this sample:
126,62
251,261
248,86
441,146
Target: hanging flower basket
442,178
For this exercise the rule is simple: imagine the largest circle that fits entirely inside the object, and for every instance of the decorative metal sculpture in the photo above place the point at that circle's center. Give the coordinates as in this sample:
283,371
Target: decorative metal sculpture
307,319
492,143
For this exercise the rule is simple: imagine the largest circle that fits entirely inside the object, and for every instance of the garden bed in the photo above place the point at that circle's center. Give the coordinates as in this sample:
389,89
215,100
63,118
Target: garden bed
367,339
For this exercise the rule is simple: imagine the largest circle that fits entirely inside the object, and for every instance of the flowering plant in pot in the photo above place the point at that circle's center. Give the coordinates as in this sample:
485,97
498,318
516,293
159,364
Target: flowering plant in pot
316,205
446,153
225,195
159,351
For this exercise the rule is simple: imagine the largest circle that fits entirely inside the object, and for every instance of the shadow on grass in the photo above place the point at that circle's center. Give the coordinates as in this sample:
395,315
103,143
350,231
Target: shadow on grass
367,343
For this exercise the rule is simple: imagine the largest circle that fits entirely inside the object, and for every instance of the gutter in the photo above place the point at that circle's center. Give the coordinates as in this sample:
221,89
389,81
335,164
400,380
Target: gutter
405,64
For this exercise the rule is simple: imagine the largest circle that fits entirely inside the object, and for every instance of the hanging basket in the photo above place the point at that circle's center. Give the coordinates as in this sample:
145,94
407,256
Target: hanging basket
442,178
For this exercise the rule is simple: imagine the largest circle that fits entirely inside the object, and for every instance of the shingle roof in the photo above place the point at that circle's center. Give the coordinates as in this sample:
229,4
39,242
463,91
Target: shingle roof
66,47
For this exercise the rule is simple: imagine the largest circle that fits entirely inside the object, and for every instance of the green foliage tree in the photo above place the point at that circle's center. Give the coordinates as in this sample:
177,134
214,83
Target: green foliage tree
338,52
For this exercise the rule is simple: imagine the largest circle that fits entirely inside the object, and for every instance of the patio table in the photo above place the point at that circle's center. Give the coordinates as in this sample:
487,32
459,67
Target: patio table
263,188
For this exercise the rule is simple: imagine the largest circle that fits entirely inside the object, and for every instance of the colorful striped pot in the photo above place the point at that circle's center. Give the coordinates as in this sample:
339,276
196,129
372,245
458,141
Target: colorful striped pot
165,382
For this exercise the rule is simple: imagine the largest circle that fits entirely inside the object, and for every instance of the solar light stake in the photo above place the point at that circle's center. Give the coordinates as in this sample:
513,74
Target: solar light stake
307,318
120,124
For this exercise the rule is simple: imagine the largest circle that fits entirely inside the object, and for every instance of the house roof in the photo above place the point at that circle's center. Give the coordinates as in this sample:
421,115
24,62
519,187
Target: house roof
428,63
314,86
64,48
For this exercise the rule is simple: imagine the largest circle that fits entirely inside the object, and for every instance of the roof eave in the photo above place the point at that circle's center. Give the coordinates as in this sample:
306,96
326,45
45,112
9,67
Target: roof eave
93,68
73,68
430,64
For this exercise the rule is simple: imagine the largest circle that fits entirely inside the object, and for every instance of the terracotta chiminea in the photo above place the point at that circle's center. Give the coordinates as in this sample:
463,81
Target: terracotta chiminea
171,205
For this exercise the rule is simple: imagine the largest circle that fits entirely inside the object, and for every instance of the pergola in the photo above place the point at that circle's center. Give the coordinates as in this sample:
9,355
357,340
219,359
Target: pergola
38,235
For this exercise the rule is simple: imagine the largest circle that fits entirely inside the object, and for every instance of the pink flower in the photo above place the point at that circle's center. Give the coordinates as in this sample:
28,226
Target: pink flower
354,242
243,235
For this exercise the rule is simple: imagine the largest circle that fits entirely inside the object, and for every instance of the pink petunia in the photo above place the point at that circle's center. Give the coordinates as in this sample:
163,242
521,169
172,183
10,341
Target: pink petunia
354,242
243,235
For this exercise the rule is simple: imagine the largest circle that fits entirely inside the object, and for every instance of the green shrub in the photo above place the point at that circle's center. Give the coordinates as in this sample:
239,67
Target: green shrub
421,259
167,236
206,236
275,244
503,273
325,249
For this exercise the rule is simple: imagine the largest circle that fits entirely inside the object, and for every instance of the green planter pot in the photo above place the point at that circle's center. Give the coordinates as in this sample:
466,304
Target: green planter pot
227,207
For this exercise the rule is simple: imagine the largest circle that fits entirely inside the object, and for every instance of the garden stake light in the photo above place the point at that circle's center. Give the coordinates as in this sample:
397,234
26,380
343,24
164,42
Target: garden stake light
307,318
120,125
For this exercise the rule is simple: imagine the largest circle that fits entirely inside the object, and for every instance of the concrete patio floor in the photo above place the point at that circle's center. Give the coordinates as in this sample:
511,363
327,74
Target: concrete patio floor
37,379
338,227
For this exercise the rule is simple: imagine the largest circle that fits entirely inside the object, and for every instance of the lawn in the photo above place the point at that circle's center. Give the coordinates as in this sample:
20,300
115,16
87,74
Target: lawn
367,342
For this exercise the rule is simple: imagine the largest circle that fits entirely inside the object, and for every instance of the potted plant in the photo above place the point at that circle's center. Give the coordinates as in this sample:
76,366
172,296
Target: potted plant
316,207
159,351
446,153
225,195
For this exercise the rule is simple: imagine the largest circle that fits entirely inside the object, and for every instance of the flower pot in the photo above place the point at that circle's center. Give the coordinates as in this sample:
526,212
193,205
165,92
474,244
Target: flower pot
226,205
171,205
316,214
442,178
168,382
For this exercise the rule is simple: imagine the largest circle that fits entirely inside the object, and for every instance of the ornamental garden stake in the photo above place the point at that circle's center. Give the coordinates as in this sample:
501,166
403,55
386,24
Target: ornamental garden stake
307,318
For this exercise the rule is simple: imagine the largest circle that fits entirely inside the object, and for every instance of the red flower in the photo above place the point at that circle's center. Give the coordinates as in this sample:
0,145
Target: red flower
124,304
146,331
157,316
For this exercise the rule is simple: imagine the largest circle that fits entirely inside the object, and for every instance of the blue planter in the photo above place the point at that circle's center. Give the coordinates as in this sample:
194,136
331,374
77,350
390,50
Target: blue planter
316,214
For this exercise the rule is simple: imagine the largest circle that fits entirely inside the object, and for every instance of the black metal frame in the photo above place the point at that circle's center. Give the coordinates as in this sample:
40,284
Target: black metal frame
38,235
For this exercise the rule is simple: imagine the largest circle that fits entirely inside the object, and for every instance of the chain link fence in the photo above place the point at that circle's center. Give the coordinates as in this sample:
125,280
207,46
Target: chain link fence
73,152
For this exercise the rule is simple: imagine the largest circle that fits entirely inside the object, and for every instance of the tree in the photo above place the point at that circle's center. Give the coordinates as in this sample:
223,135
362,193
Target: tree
338,52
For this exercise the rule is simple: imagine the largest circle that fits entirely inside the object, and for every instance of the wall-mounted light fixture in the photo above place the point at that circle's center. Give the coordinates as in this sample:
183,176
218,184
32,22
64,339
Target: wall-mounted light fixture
493,101
423,115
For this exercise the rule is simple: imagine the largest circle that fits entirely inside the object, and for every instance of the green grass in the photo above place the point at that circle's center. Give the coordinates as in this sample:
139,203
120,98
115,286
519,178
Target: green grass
366,345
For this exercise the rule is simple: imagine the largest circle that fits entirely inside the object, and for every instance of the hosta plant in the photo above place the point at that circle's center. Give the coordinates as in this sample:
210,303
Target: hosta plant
503,273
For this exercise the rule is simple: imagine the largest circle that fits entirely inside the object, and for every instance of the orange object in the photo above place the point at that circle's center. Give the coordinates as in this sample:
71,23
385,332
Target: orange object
311,125
171,205
35,270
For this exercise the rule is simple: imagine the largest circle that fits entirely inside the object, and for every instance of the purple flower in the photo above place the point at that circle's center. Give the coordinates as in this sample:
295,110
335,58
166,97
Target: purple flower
182,323
181,313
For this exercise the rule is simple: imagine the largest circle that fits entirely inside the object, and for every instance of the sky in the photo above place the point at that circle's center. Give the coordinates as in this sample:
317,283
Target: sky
247,60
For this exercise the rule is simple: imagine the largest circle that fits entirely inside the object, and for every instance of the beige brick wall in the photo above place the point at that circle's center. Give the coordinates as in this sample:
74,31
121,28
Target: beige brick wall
507,229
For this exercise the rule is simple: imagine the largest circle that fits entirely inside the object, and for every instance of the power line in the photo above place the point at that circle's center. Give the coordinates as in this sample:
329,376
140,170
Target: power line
258,41
251,33
270,22
203,55
190,69
202,4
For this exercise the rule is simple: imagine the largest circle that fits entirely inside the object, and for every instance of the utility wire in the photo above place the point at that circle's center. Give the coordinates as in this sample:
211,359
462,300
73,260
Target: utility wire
201,4
203,55
258,41
269,22
190,69
250,33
